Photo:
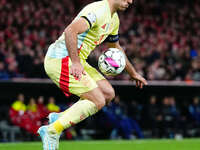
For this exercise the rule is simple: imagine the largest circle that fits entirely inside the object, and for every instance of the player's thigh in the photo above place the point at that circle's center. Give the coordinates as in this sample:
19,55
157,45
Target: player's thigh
107,89
58,70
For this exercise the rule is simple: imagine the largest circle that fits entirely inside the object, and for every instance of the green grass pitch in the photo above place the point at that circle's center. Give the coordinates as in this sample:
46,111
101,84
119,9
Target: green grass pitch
186,144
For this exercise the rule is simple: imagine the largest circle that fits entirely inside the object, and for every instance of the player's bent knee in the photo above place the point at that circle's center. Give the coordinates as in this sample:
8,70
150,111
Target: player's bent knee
96,96
99,100
100,104
110,95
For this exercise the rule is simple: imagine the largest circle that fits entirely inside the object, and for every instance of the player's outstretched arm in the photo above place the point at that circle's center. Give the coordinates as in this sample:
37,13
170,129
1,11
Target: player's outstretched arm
71,32
140,81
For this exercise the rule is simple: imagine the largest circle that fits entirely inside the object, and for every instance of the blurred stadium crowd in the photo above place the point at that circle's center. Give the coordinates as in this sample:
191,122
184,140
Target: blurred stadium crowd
160,37
159,117
26,115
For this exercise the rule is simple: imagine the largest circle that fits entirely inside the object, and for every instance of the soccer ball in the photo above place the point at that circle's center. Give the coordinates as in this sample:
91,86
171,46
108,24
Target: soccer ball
112,62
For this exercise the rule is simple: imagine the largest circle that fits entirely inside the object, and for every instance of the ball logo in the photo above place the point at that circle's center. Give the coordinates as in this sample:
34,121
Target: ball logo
112,62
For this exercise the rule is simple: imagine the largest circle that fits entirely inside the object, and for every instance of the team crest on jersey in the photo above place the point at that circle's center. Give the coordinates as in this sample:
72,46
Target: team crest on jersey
91,17
105,26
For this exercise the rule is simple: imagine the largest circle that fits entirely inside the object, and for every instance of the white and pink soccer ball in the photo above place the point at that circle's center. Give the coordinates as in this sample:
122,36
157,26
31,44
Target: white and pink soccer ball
112,62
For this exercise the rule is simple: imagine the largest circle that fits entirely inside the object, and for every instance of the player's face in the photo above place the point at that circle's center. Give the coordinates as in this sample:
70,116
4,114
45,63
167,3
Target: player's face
124,4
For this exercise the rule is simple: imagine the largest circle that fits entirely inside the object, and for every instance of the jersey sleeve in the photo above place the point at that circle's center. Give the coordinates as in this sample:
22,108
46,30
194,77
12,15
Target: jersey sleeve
114,35
90,14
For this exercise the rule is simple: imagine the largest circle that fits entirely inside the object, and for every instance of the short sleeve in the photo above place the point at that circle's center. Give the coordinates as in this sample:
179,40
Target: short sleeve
90,15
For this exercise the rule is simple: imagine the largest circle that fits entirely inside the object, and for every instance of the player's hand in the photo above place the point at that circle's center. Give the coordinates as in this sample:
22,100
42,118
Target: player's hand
140,81
77,70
